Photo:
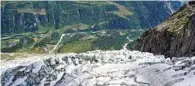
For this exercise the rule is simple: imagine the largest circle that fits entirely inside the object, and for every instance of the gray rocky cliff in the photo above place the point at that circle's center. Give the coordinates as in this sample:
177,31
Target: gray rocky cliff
174,37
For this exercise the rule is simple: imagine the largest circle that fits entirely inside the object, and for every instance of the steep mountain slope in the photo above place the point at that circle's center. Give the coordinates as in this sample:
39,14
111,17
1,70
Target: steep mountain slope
31,16
100,68
174,37
37,26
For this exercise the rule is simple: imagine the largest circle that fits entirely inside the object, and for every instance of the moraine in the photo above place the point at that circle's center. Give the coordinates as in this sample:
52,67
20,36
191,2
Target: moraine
99,68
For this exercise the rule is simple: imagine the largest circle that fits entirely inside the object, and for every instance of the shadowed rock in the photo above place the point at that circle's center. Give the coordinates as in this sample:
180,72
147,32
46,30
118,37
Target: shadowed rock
175,37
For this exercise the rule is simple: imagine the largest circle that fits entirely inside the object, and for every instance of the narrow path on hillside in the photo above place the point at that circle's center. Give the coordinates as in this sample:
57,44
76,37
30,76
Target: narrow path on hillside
129,41
56,46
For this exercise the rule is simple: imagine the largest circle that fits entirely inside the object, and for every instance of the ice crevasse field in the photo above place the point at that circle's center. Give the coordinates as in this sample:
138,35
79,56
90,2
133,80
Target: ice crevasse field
100,68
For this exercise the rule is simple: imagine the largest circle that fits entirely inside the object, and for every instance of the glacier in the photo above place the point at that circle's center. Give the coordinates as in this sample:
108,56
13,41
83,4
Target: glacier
99,68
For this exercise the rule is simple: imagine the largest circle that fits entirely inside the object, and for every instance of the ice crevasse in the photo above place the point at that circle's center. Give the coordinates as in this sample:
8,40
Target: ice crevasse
100,68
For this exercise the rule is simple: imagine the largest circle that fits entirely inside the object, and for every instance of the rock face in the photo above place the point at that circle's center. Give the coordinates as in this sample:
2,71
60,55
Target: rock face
102,68
20,17
174,37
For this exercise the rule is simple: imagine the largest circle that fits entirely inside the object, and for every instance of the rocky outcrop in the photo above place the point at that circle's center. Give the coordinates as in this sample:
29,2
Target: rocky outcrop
174,37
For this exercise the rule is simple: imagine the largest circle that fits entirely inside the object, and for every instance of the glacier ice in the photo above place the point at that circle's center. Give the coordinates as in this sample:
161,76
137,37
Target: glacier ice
100,68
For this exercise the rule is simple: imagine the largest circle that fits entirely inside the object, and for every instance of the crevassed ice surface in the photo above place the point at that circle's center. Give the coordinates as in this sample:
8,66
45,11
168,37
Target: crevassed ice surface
101,68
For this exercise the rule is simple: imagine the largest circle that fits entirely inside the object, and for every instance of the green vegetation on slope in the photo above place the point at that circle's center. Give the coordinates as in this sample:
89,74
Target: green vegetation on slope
72,42
77,46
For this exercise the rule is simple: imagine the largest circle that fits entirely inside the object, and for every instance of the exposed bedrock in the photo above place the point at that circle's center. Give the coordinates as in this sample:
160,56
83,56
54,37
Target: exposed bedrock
174,37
